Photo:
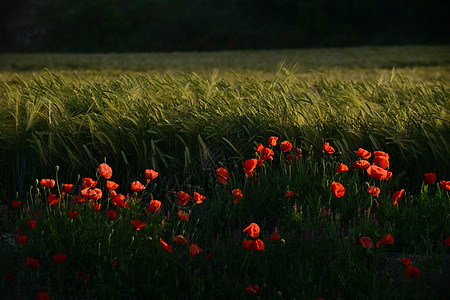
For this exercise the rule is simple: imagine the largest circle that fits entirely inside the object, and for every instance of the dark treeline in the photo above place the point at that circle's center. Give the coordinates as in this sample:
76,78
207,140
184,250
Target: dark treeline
180,25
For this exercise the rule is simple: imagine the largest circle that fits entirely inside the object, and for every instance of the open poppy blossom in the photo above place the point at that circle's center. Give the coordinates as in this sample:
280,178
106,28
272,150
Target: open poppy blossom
67,188
43,296
52,199
445,185
73,215
430,178
154,206
105,171
289,194
96,206
48,183
381,161
60,258
112,214
150,174
274,237
22,239
397,195
31,224
259,148
118,200
366,242
32,262
16,204
93,194
386,240
374,191
198,198
378,173
252,230
251,245
111,185
137,187
341,168
252,289
364,154
180,239
412,272
194,250
222,175
183,216
361,164
406,261
267,153
337,189
286,146
289,159
273,141
137,224
88,183
183,198
249,167
165,246
327,148
237,194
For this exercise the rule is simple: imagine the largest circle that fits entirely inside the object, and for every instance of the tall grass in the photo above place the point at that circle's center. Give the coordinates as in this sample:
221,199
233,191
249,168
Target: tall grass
186,124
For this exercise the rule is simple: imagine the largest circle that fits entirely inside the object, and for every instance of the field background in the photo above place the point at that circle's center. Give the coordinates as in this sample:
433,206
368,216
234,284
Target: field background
178,111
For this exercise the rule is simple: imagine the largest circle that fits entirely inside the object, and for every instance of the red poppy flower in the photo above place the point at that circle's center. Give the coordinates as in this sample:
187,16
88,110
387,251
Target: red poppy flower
112,214
111,185
67,188
267,153
237,194
248,244
361,164
222,175
136,186
445,185
366,242
88,183
105,171
183,216
43,296
274,236
96,206
337,189
150,174
78,199
286,146
397,195
198,198
48,183
259,148
341,168
327,148
22,239
183,198
118,200
378,173
412,272
364,154
154,206
386,240
60,258
382,161
165,246
16,204
374,191
92,194
447,242
250,165
252,230
259,245
381,153
406,261
194,250
430,178
252,289
52,199
73,215
137,224
297,152
32,262
289,194
273,141
180,239
31,224
289,159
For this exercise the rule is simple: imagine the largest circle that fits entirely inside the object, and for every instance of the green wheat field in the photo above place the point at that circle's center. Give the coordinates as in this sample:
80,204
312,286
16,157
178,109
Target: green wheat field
288,174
